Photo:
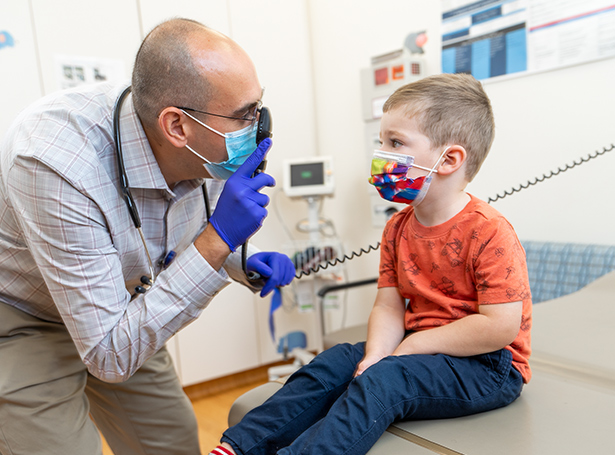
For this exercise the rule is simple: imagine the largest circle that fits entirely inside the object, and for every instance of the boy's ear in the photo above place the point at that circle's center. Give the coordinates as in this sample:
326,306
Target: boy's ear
453,159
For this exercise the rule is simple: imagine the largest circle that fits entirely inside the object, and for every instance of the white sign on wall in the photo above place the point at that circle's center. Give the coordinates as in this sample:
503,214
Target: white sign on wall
72,71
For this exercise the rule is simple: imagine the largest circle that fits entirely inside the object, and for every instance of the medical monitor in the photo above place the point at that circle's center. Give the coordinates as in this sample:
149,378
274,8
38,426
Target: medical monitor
311,176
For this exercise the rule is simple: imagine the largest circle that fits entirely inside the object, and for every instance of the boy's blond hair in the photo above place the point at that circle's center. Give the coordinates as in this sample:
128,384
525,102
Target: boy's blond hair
450,109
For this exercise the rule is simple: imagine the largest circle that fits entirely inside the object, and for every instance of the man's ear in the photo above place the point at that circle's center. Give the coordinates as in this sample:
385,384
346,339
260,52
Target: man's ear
173,126
453,159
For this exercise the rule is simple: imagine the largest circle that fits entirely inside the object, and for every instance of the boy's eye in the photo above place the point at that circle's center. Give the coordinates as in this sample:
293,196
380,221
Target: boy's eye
395,143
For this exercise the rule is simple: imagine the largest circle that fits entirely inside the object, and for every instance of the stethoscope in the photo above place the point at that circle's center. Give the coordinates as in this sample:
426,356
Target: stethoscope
263,130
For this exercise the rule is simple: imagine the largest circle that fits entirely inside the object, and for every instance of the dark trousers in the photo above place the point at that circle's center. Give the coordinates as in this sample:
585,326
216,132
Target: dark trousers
322,409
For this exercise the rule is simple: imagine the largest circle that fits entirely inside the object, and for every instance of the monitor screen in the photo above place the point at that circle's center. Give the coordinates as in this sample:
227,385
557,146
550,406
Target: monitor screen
307,174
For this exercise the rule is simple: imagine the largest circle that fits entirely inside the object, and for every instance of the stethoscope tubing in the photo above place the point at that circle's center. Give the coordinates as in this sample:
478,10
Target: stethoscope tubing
147,282
127,195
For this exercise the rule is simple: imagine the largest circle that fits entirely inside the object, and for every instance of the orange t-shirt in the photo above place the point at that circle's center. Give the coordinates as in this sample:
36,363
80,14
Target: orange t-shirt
447,271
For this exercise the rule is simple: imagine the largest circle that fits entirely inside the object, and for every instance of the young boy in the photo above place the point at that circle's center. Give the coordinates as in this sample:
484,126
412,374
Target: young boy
461,344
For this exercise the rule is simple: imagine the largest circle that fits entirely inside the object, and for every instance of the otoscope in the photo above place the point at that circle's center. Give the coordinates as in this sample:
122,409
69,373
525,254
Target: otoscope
263,130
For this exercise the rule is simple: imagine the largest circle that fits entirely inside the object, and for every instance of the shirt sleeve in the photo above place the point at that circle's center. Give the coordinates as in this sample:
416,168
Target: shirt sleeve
234,267
388,260
69,239
500,268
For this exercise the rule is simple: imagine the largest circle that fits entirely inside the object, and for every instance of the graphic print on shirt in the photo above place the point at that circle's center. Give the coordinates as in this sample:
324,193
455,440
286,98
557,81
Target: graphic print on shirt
526,323
521,294
461,310
446,286
389,267
480,251
482,285
411,265
453,251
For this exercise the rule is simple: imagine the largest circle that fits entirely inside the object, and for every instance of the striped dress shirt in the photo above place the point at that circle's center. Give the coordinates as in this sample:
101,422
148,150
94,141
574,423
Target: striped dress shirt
69,251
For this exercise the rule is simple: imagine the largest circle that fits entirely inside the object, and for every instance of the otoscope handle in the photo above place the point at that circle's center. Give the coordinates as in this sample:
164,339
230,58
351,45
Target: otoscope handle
264,130
251,275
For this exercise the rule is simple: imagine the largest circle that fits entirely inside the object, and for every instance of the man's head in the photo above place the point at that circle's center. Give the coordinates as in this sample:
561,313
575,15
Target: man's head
449,109
165,73
185,67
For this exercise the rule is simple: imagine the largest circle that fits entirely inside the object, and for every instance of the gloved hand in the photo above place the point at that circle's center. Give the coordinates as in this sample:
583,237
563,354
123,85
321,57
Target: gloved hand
240,210
275,268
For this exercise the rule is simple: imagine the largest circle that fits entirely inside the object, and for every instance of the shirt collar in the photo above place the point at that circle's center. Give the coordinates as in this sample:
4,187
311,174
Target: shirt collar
140,163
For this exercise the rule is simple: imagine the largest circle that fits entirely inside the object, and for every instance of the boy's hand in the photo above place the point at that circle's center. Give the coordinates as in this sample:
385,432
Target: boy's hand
385,329
367,362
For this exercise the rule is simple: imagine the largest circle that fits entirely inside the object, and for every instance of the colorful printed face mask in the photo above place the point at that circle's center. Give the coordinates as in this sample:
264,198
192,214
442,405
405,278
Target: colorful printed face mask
390,177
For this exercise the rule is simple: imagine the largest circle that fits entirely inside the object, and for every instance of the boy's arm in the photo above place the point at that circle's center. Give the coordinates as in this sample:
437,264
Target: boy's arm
385,328
492,328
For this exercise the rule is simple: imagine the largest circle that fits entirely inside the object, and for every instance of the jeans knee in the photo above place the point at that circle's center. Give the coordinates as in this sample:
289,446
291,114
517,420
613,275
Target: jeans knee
334,366
386,383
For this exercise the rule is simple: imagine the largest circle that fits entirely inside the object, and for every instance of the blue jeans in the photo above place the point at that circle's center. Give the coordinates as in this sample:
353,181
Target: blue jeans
322,409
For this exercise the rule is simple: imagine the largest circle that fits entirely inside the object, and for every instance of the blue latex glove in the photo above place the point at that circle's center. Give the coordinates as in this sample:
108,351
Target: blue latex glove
276,269
240,210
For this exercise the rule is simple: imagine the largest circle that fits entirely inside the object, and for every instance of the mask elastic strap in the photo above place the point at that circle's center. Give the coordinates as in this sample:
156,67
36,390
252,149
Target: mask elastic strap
430,170
197,154
433,169
206,126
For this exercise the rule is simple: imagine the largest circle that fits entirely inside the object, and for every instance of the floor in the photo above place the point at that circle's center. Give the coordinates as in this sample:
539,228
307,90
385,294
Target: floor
211,413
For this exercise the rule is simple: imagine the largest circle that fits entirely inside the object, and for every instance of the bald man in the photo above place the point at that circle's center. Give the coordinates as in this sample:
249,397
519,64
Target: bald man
82,334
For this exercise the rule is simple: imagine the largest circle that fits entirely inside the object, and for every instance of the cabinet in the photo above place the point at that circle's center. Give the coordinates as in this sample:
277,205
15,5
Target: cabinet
222,341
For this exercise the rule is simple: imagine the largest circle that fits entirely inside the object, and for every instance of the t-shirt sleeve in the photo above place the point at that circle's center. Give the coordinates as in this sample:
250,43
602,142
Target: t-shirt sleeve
388,271
499,265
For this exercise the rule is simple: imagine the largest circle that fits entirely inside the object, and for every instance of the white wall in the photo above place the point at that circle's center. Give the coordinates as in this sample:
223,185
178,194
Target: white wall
20,81
543,122
309,54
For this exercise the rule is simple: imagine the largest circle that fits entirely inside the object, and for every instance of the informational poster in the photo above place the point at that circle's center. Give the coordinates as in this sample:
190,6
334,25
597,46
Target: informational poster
486,38
573,32
490,38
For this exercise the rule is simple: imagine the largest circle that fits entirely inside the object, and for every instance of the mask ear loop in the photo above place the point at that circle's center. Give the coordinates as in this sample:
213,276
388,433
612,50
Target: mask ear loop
198,154
203,124
209,128
419,198
435,166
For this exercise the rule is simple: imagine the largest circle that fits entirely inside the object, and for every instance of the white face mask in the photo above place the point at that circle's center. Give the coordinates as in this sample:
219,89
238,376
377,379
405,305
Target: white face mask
240,145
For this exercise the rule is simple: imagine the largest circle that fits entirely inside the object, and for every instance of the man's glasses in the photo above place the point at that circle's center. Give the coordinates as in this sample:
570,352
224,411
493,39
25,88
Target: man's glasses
246,118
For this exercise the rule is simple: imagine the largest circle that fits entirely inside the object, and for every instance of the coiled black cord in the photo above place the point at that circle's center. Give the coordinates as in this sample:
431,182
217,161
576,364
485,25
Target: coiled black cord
544,177
334,262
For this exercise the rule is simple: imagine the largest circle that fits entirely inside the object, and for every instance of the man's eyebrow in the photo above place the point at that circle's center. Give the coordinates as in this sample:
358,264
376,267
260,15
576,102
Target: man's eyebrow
246,108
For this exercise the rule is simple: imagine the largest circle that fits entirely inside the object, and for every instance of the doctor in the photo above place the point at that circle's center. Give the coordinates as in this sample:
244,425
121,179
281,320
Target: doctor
81,333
